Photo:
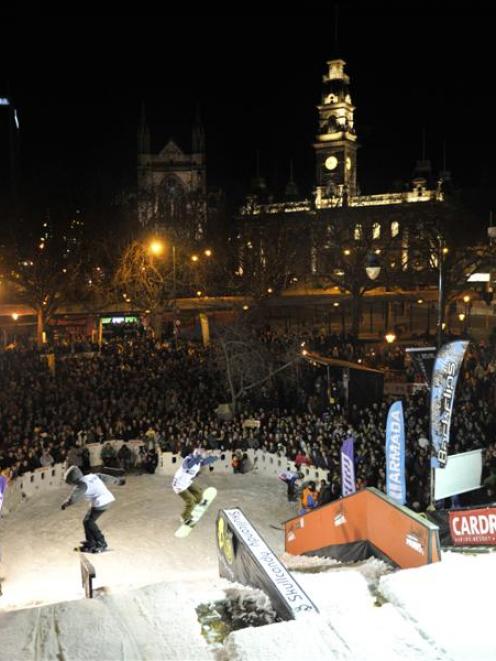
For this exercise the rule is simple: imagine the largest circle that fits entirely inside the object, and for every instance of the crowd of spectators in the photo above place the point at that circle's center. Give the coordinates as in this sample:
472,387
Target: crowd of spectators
141,388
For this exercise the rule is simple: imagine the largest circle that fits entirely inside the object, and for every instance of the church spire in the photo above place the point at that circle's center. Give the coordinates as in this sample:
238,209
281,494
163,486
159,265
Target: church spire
291,191
198,141
143,137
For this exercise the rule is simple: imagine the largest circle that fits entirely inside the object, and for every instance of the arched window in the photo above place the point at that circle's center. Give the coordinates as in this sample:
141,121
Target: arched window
376,231
395,228
358,233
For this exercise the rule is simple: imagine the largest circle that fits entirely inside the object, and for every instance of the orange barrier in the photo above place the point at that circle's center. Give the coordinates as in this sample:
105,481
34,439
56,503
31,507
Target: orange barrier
368,522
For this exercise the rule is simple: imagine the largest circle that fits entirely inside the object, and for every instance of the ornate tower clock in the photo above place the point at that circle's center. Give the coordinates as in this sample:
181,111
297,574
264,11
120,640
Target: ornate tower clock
336,144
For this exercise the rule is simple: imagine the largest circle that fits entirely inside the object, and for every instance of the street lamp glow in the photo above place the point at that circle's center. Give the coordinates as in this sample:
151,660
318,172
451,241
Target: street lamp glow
194,258
461,316
270,290
156,247
208,253
336,304
199,292
245,308
466,298
390,338
15,316
347,252
420,301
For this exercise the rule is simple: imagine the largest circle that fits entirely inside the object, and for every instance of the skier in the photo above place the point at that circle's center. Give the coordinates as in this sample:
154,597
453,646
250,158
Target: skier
92,487
291,478
182,484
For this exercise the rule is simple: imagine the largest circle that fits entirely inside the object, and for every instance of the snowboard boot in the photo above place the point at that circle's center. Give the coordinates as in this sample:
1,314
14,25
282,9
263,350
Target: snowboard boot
101,547
86,547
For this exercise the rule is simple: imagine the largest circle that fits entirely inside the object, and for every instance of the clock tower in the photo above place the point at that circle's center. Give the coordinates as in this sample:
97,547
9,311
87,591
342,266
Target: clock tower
336,144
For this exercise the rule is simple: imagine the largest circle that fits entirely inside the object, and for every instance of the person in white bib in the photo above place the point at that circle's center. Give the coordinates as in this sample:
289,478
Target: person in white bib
182,484
92,487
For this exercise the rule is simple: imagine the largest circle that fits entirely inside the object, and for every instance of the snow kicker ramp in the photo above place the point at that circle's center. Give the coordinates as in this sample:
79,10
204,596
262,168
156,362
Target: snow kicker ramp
245,558
364,524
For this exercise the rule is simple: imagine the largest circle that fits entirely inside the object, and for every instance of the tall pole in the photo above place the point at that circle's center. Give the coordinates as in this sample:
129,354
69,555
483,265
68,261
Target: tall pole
174,295
440,306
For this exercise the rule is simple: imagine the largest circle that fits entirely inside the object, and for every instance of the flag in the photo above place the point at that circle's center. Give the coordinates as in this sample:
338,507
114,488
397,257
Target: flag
395,454
444,378
347,467
3,486
423,362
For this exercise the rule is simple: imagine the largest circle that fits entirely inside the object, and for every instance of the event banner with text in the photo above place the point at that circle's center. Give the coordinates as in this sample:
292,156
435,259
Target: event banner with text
473,527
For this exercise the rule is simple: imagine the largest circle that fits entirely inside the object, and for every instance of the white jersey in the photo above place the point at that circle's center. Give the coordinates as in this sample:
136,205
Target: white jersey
184,477
96,491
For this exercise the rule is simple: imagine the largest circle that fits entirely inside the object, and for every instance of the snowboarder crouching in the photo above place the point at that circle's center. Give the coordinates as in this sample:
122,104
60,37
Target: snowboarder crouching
92,487
182,484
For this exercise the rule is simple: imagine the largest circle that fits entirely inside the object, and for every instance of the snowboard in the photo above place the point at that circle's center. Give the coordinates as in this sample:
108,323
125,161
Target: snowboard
80,550
198,511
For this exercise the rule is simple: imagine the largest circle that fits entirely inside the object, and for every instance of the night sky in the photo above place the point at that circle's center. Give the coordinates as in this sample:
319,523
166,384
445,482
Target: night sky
78,83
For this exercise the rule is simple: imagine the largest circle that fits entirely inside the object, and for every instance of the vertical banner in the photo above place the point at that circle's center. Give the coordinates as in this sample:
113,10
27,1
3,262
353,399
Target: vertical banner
395,454
444,378
3,486
347,467
423,362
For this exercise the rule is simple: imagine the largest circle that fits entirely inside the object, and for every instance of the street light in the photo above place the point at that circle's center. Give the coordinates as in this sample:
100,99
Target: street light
390,337
156,247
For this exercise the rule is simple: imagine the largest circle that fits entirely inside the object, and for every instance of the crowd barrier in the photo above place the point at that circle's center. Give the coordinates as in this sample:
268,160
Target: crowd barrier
263,463
52,477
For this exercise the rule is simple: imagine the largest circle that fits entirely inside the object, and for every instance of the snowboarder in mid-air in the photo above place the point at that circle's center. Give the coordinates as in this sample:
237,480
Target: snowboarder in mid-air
292,480
182,484
92,487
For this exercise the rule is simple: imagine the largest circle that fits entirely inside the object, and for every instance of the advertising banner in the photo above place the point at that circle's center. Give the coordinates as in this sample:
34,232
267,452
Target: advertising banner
395,454
444,379
245,558
423,362
3,486
347,467
473,527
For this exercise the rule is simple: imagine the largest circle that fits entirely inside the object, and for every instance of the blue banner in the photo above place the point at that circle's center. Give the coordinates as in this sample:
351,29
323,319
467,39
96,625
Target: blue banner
347,467
3,486
444,378
395,454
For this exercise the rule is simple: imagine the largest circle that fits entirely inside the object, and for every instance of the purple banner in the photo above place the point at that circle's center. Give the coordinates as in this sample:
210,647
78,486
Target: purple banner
3,486
347,467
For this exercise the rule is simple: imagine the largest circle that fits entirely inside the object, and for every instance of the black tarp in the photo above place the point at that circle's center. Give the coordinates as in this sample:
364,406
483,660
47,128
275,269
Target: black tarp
245,558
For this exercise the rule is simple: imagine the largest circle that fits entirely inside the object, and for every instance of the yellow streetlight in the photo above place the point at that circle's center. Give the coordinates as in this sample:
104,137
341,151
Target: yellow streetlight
156,247
336,304
194,258
15,316
208,252
420,301
245,308
199,292
461,316
390,337
347,252
270,290
466,298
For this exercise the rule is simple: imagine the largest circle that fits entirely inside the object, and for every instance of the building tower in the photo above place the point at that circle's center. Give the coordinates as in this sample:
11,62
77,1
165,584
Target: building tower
336,145
172,185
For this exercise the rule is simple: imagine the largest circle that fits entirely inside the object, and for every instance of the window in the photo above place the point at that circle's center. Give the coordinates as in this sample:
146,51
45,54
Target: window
376,231
395,228
358,233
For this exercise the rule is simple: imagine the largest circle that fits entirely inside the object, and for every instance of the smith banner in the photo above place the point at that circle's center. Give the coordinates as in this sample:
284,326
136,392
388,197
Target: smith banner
444,378
395,454
347,468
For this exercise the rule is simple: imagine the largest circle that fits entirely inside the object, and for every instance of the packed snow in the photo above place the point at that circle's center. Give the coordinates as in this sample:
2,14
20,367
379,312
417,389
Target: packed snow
150,584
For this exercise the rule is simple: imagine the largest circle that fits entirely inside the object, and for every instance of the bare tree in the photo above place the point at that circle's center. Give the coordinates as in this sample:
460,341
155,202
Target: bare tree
44,270
247,362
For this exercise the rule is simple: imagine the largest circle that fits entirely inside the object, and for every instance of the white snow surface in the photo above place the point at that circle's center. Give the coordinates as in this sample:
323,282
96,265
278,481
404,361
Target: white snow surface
150,583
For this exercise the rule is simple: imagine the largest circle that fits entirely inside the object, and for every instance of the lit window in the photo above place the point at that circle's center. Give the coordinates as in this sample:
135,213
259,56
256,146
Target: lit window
358,233
376,231
395,228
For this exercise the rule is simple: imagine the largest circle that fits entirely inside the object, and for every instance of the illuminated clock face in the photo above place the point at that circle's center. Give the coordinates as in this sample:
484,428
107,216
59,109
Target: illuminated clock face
348,163
331,163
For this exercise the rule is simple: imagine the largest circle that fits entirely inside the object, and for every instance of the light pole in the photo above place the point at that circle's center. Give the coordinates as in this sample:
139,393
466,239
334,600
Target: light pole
442,251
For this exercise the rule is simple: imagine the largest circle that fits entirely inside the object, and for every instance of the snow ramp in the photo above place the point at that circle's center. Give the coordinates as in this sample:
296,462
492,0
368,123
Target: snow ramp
245,558
364,524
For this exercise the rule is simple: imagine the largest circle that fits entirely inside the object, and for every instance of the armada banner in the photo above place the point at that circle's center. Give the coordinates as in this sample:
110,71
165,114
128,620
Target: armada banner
473,527
395,454
348,467
444,379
